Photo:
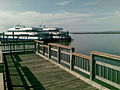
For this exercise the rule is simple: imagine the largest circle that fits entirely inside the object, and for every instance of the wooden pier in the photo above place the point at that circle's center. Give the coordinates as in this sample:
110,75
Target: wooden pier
30,71
47,66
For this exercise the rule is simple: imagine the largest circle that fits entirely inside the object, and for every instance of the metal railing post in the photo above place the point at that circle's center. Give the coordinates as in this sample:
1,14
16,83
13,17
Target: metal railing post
58,55
71,58
3,37
49,51
13,35
24,46
92,67
35,47
43,50
38,47
10,48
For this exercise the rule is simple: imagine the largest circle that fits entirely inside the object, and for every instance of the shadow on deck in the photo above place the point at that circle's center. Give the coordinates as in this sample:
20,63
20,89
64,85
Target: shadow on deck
32,72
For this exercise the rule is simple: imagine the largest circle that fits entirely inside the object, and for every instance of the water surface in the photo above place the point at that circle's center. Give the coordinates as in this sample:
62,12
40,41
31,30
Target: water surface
107,43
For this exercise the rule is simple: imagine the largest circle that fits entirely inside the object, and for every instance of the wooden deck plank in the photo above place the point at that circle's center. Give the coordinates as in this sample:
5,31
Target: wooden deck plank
43,75
51,76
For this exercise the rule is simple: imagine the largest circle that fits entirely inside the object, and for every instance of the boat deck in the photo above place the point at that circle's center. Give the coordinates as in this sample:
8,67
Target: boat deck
32,72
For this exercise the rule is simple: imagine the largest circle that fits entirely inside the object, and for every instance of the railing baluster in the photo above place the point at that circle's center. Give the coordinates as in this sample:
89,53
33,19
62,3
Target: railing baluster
35,47
38,47
10,48
71,58
49,51
24,46
92,67
58,54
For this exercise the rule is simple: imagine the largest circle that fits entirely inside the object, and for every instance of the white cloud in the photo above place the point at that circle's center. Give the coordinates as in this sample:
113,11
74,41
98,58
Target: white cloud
65,2
10,18
73,21
90,3
111,16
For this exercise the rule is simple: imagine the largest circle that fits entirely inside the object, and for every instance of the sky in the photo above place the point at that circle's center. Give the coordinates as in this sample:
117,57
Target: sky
72,15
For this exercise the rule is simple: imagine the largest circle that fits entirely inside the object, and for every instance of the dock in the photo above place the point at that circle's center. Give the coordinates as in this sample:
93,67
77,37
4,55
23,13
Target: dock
30,71
36,65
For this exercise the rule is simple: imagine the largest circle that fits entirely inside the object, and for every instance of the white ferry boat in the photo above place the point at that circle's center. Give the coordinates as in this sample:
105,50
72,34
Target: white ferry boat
20,32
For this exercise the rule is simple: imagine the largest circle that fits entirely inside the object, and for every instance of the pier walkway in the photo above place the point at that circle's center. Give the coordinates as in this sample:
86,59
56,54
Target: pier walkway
37,65
32,72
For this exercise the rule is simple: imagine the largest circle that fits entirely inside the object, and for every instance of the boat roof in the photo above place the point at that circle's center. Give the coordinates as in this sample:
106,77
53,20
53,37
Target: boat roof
52,28
22,28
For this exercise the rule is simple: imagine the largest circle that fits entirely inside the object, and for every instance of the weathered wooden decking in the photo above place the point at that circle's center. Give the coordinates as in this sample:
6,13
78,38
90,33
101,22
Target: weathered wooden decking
30,71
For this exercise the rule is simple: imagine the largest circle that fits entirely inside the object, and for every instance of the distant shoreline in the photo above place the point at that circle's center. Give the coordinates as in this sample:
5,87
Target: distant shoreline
94,32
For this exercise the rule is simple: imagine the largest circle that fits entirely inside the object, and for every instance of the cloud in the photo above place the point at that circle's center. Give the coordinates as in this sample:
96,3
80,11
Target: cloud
90,3
117,13
73,21
10,18
65,2
111,16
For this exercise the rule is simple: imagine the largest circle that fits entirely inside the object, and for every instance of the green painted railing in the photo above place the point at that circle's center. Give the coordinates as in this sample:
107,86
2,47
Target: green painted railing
18,46
105,69
101,68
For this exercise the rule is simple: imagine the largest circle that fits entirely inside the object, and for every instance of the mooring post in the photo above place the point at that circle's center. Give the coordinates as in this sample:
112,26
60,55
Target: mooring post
58,55
92,67
71,58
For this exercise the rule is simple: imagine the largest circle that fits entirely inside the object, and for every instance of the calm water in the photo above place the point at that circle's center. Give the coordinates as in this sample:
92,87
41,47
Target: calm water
108,43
